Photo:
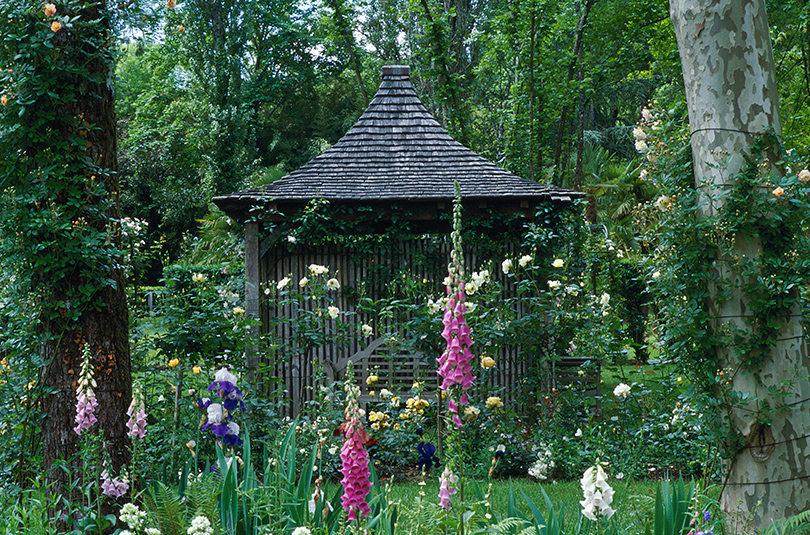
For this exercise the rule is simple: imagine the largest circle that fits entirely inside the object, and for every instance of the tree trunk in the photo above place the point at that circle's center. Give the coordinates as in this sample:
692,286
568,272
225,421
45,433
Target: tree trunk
342,26
447,89
576,59
732,97
103,323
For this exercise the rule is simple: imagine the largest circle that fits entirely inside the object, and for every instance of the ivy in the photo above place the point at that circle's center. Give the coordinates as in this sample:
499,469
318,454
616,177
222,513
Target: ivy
58,209
750,240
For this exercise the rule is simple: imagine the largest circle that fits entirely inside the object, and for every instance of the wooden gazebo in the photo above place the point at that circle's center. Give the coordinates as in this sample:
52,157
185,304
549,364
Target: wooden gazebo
396,164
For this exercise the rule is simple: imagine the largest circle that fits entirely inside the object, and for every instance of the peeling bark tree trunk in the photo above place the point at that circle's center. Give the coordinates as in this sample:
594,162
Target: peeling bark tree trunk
731,92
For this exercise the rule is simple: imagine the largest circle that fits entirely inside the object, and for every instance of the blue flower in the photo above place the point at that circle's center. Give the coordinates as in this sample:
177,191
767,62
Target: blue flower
229,392
427,456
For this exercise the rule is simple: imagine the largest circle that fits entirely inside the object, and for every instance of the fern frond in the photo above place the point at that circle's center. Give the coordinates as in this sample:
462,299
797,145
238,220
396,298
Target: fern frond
167,507
512,524
795,525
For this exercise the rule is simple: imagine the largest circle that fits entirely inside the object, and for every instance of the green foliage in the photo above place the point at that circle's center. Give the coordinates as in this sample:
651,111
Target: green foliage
58,223
672,508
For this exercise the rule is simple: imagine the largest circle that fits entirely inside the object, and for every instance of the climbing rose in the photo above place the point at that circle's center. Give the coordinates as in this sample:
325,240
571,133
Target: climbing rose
506,266
494,402
621,391
56,26
804,175
50,10
778,192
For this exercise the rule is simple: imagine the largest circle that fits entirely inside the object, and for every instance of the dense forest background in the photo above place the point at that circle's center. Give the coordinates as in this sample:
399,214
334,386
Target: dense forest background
216,96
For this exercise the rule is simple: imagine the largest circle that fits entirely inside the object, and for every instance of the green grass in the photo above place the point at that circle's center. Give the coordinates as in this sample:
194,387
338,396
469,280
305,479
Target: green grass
633,500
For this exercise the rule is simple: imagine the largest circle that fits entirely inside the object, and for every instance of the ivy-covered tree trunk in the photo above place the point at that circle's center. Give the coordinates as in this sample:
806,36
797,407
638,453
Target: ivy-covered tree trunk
62,218
732,97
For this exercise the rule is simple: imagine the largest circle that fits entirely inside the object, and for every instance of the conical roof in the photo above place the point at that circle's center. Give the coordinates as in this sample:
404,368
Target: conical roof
395,152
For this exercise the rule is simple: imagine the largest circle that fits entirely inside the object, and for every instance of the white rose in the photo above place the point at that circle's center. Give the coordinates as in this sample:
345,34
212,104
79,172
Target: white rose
506,266
621,391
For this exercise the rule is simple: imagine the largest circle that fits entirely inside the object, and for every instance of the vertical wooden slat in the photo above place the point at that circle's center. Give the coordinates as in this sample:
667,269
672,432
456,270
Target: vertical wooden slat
296,371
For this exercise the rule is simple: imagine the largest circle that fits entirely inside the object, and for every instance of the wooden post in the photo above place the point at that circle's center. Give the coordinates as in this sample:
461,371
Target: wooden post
252,285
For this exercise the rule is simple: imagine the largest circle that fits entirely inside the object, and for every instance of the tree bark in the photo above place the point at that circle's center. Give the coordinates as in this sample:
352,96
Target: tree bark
732,97
342,25
104,324
572,69
447,85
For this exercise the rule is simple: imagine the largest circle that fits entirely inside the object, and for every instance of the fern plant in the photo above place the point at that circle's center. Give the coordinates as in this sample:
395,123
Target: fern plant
795,525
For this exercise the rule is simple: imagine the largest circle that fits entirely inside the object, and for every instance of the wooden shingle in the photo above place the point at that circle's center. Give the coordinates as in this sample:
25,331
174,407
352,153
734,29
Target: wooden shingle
396,152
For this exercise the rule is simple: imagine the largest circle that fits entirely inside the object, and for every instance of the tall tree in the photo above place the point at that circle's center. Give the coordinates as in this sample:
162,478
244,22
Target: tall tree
732,97
59,171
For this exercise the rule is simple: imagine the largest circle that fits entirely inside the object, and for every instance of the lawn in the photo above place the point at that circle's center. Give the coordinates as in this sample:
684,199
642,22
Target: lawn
633,500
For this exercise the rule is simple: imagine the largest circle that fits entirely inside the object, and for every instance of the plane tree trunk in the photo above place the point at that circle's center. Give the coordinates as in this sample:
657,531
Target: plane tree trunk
732,97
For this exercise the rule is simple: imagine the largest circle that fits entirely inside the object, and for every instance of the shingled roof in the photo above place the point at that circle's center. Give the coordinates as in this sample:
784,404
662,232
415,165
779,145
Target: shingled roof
396,153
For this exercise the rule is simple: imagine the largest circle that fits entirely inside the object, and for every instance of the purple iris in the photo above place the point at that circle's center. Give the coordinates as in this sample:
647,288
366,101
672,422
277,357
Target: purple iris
427,456
229,392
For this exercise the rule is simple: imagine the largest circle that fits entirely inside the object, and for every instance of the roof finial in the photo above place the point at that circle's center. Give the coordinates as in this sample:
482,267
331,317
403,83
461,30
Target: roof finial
396,70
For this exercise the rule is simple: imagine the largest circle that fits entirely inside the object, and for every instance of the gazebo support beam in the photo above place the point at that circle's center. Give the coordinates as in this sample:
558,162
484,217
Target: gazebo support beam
252,285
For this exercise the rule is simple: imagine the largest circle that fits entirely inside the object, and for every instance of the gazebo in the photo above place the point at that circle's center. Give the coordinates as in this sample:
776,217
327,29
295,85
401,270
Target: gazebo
395,167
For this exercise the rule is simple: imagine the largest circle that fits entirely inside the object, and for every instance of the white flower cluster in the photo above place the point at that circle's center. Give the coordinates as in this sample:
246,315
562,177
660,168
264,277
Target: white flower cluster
317,269
477,280
434,307
542,467
135,520
301,530
598,495
200,526
133,516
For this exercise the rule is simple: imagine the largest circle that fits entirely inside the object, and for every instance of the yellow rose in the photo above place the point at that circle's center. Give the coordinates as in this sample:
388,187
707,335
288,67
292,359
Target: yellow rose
494,402
371,379
487,362
196,369
174,362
